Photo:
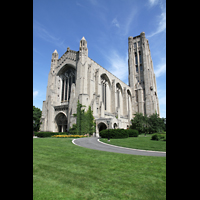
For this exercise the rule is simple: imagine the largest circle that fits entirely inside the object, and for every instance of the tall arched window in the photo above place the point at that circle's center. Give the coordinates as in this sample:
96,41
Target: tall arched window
67,79
105,83
119,90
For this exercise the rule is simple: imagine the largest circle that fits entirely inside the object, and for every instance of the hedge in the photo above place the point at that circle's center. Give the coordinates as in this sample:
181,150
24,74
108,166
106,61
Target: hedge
49,134
132,132
114,133
158,136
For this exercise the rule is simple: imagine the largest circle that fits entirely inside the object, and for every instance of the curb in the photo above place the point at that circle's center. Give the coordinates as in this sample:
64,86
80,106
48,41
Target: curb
130,148
75,143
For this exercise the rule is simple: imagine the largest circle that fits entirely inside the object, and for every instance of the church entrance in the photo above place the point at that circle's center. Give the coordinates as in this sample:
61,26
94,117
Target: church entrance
61,121
102,126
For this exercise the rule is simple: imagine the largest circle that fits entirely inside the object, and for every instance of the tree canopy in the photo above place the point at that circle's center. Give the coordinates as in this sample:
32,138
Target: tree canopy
84,121
148,124
36,117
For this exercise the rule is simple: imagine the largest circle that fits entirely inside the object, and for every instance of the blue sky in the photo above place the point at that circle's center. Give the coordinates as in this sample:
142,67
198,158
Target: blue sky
106,25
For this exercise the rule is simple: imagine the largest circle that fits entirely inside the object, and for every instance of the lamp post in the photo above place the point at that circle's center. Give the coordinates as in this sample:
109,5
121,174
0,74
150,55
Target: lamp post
108,132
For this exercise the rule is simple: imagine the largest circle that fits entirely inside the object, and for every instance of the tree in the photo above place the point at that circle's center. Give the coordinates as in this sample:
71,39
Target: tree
36,117
90,123
156,124
138,123
84,120
79,117
145,124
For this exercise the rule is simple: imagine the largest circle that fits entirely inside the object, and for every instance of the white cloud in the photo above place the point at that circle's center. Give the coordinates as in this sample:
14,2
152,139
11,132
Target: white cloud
46,35
153,2
161,19
161,25
118,65
128,21
115,22
160,69
35,93
162,100
78,4
94,2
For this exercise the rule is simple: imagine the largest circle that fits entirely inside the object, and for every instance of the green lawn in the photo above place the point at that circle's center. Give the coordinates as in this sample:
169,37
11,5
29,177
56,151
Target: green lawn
62,170
140,142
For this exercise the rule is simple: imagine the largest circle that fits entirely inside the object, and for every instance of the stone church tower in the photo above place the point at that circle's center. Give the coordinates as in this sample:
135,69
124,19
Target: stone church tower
142,79
74,76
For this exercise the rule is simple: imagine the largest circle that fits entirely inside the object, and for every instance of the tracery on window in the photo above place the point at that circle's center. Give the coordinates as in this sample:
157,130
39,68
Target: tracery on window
105,84
119,90
67,79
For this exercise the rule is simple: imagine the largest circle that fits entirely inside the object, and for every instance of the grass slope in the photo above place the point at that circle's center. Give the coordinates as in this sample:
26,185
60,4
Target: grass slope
62,170
140,142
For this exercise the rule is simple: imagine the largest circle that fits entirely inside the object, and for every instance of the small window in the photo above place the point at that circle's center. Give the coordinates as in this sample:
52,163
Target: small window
136,68
139,44
135,45
141,68
140,57
136,61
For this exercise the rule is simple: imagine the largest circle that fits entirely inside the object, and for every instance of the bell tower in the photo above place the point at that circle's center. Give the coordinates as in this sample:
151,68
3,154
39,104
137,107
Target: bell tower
83,50
54,59
141,75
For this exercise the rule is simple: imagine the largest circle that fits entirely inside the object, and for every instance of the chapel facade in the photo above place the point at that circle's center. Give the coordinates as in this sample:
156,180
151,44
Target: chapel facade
75,76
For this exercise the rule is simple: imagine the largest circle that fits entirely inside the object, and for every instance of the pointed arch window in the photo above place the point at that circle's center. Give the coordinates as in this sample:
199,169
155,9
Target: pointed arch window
119,90
105,82
67,79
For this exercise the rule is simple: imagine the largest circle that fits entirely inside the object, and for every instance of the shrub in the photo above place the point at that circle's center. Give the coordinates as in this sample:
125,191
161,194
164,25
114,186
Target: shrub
158,136
49,134
114,133
154,137
132,132
68,136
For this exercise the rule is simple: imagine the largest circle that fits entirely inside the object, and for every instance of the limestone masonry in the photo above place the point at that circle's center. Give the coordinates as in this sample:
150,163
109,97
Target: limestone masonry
75,76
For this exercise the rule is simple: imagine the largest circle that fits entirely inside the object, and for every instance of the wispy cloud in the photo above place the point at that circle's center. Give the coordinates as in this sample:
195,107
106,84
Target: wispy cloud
42,32
129,20
153,2
161,25
94,2
78,4
125,25
35,93
161,19
115,22
160,69
118,65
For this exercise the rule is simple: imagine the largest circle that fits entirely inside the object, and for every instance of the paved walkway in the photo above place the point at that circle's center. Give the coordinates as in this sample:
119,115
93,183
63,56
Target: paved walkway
94,143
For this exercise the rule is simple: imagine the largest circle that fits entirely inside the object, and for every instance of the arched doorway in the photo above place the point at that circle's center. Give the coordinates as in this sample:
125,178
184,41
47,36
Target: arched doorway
115,125
61,121
102,126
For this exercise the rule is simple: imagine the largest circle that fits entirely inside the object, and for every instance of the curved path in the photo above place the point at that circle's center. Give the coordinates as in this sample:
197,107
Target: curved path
94,143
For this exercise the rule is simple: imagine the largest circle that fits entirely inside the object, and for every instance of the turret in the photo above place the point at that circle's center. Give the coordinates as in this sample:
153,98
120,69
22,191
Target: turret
54,59
83,50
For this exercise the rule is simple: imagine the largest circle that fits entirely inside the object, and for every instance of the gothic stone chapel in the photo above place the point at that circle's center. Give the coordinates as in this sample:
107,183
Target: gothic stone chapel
76,76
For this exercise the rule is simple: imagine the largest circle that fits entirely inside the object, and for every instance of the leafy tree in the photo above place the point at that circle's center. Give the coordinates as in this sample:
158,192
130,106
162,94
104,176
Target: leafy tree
138,123
156,124
84,121
36,117
89,122
145,124
79,117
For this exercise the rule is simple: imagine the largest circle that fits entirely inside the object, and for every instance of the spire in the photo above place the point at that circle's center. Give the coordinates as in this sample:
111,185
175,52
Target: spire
55,51
83,43
83,50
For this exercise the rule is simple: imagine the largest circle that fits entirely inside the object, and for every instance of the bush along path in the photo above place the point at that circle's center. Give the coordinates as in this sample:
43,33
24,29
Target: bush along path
93,143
